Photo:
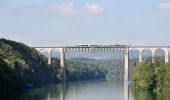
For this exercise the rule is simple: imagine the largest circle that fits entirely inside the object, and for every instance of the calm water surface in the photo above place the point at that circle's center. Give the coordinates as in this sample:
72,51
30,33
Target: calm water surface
86,90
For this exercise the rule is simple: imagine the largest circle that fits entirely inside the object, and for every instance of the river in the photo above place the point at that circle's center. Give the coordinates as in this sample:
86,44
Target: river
86,90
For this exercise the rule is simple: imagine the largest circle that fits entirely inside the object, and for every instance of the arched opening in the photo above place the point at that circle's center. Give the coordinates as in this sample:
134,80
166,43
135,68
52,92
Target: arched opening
133,58
146,54
55,58
44,52
159,55
133,54
58,72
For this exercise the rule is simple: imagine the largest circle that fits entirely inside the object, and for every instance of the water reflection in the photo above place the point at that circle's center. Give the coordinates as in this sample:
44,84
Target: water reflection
62,92
56,93
163,96
92,90
126,91
143,95
149,95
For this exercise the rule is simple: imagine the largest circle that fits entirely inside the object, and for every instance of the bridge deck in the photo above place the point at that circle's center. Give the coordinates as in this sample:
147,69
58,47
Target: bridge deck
90,46
105,46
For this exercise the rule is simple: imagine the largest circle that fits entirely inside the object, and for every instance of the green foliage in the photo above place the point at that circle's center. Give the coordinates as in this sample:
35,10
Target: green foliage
19,65
56,71
79,70
151,76
167,75
142,75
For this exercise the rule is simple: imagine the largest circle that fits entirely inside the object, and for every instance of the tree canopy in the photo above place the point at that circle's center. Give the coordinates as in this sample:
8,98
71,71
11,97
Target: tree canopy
151,76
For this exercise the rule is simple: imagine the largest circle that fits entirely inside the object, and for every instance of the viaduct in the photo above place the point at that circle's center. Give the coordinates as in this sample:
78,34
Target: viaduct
102,48
125,49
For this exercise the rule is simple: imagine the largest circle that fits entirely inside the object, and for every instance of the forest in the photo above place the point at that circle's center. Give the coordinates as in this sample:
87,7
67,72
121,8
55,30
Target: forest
151,76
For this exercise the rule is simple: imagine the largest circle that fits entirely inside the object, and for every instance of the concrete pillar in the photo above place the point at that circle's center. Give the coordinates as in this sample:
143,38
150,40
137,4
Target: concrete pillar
62,57
126,75
126,63
140,54
126,92
166,55
49,56
153,54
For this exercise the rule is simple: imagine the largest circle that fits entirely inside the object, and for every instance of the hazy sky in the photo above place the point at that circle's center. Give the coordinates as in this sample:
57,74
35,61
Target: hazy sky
71,22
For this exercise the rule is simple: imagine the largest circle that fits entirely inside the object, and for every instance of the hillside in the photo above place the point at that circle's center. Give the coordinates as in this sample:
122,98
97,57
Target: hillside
21,65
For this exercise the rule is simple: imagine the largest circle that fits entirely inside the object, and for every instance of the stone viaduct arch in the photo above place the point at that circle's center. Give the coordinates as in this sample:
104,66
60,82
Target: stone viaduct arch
152,49
49,50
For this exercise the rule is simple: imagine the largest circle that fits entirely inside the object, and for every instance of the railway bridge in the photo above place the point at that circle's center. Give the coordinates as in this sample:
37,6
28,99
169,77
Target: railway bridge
124,49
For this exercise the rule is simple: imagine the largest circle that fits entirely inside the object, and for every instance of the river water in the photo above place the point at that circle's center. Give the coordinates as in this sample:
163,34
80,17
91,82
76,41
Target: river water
87,90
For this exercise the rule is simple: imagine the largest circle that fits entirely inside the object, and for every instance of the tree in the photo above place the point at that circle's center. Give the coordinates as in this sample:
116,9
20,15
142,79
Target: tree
151,76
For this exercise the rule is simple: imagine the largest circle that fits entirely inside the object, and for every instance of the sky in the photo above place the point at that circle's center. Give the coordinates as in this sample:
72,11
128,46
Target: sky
71,22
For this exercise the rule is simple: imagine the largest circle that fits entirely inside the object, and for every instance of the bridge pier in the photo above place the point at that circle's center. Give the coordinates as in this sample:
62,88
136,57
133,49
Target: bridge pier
126,75
140,54
49,56
166,58
166,55
62,57
153,54
49,59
